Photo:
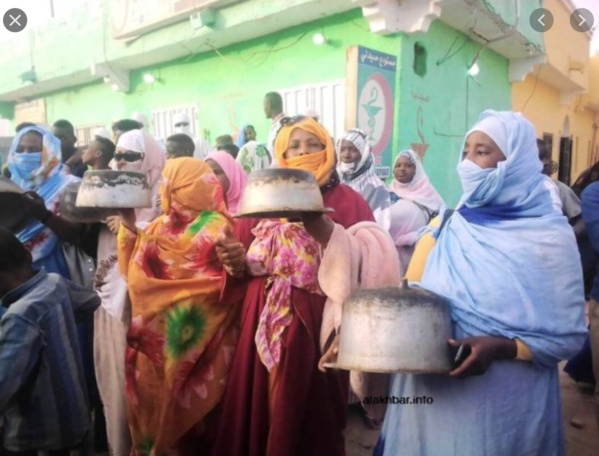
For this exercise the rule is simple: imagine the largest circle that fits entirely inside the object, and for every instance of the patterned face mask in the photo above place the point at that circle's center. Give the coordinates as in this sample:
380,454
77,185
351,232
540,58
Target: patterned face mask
348,168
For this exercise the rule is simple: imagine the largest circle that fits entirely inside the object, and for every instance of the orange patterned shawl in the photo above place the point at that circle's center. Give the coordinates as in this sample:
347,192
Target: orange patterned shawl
181,339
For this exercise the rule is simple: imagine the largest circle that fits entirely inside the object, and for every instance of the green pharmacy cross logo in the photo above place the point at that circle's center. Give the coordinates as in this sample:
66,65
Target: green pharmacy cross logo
372,110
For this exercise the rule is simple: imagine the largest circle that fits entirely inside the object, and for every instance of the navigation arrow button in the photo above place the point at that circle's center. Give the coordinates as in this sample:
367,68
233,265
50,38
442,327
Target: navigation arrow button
541,20
582,20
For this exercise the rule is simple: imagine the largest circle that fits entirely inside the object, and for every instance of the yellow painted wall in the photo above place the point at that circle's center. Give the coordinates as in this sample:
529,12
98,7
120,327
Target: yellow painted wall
541,105
565,45
592,96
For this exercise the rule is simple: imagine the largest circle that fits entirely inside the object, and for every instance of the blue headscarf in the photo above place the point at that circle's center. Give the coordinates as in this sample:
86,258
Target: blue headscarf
43,173
242,138
507,259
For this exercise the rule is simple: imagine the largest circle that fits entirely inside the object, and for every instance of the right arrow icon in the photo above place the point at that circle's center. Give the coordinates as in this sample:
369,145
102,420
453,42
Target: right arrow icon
582,20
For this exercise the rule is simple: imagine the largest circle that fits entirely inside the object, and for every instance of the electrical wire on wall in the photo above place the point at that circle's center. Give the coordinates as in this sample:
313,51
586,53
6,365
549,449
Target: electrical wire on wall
271,51
183,44
447,55
534,88
249,61
361,27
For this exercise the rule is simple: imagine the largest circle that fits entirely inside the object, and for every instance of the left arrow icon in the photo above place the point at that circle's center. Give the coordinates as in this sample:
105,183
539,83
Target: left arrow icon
541,20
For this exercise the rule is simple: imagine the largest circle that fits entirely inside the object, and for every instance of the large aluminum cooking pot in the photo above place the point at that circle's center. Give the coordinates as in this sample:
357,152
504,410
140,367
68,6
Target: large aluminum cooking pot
114,189
281,193
13,213
395,330
72,213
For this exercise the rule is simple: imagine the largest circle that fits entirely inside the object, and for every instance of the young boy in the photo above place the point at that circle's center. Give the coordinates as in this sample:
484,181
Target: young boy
179,145
43,397
99,153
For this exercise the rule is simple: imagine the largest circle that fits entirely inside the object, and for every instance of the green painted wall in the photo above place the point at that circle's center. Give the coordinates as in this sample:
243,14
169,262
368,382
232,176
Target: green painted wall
439,107
229,87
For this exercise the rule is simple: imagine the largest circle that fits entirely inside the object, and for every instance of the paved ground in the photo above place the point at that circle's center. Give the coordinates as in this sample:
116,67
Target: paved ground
576,401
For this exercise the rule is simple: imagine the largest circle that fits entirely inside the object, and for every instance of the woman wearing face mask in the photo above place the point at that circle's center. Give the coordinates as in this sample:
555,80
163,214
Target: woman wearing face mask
293,277
355,165
135,151
415,203
35,165
231,176
34,161
182,335
507,262
252,155
182,124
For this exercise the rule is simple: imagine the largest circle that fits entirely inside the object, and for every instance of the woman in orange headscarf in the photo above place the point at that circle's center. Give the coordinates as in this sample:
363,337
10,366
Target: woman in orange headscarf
277,402
181,337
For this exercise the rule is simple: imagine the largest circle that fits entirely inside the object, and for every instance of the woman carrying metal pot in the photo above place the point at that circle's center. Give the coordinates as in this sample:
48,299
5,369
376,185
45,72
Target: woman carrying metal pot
293,276
507,262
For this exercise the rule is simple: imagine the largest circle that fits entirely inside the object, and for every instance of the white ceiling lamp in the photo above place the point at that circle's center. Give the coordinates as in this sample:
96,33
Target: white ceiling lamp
106,79
114,86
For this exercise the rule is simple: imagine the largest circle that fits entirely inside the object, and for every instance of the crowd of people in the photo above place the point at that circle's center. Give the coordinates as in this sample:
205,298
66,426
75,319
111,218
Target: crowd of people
183,330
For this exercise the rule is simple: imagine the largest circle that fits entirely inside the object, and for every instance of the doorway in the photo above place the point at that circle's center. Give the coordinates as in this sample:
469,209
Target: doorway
565,154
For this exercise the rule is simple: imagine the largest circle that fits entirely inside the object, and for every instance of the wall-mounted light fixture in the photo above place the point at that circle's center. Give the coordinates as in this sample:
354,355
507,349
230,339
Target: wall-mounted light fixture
149,78
474,69
319,39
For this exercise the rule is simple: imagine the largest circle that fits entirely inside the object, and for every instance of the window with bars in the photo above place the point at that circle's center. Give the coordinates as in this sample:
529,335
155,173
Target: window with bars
548,140
86,134
327,98
565,160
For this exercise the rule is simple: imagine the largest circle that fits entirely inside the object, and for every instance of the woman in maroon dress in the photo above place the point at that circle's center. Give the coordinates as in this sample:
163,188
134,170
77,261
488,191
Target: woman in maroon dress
277,401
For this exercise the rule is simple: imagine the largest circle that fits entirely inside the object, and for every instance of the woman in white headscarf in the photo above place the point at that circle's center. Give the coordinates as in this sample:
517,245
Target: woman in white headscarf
414,203
355,166
507,263
137,151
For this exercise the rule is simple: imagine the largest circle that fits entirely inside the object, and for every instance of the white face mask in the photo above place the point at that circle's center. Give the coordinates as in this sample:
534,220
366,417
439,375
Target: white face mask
185,129
348,168
480,185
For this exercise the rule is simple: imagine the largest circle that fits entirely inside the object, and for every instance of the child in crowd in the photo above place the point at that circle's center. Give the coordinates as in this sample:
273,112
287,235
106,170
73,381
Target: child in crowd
43,397
179,145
